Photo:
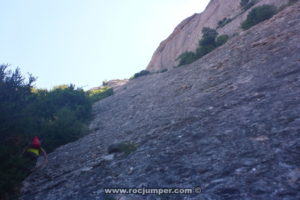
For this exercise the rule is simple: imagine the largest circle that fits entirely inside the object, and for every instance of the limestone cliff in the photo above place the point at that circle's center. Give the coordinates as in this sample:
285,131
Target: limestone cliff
228,123
186,35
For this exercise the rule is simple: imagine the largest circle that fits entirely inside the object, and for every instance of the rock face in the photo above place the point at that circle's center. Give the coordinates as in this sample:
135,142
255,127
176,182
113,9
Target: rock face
228,123
187,34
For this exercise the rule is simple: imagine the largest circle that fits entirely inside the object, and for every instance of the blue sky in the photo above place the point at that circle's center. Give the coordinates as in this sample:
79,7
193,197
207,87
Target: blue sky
85,42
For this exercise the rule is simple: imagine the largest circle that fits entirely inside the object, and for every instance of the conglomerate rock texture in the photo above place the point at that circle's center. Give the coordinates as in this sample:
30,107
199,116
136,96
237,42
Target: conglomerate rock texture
186,35
228,123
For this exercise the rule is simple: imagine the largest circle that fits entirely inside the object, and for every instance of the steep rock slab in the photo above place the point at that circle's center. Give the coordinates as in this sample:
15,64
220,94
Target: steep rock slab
228,123
187,34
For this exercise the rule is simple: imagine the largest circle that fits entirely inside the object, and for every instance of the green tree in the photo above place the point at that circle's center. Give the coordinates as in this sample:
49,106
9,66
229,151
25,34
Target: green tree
258,14
208,37
208,43
15,95
61,114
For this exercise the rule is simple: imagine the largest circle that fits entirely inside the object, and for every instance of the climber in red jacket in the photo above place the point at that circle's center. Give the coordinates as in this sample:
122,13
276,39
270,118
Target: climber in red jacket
31,154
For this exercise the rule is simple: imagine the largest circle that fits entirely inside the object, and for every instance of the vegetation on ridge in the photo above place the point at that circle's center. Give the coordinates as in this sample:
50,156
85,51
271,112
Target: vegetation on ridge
141,73
223,22
210,40
99,93
258,14
57,116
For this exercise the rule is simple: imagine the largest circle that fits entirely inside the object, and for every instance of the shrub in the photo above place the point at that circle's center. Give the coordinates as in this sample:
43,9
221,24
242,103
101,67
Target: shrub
99,93
186,58
163,70
203,50
223,22
122,147
258,14
222,39
141,73
64,129
104,83
246,4
61,114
